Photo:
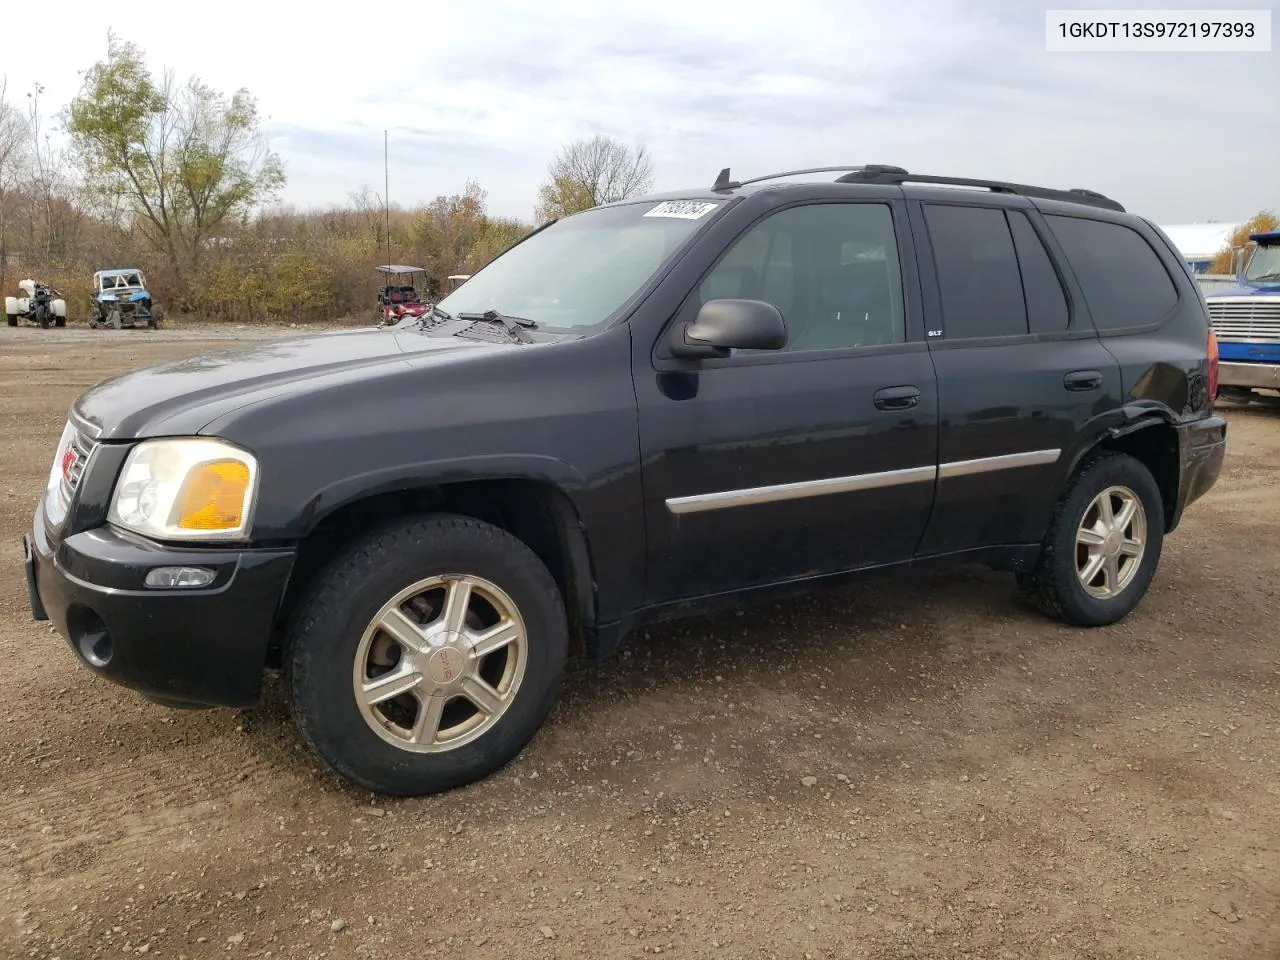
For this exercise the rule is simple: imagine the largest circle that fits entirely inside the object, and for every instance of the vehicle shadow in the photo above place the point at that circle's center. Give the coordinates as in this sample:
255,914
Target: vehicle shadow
840,656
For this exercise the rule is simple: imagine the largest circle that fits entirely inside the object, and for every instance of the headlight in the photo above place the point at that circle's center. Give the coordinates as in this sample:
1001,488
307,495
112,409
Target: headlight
186,489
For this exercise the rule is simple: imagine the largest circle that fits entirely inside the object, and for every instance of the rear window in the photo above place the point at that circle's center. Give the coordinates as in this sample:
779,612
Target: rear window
1123,280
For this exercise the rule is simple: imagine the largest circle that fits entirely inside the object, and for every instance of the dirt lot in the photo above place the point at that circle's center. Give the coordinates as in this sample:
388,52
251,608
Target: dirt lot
988,784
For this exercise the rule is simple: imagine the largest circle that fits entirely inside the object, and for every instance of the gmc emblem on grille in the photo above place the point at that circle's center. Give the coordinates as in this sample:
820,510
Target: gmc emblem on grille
68,461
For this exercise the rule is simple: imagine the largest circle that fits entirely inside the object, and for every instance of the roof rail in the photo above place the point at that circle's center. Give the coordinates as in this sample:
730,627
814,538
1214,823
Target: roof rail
897,176
724,183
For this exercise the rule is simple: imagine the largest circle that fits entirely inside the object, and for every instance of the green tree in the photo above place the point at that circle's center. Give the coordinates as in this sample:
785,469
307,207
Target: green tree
1259,223
587,173
177,160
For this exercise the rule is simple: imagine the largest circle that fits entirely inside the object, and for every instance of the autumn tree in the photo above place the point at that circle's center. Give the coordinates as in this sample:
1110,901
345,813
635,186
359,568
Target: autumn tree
14,154
449,228
180,160
589,172
1259,223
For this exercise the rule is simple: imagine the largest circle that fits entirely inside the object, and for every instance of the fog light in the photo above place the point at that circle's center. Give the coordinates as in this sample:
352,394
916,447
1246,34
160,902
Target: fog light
174,577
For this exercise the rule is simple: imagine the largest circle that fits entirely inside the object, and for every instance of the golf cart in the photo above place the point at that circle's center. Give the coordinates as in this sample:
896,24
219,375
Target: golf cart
42,304
398,297
120,299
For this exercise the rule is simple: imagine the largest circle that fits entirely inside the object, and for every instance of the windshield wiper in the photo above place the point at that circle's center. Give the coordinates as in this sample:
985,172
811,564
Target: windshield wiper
1274,275
424,320
516,325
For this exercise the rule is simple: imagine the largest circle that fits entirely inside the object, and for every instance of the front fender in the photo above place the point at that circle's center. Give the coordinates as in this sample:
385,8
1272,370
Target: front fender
428,473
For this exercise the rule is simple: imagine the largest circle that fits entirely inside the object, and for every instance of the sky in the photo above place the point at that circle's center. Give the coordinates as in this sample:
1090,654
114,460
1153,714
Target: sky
490,90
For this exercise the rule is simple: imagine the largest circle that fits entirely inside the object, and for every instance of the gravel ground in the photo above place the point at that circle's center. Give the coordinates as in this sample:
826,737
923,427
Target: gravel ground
919,768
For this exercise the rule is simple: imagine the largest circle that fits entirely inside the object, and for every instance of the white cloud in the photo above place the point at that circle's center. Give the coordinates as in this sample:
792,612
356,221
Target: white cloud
490,90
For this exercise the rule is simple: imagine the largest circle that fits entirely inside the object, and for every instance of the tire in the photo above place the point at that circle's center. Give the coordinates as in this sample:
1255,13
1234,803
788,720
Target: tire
11,319
59,321
1055,584
331,641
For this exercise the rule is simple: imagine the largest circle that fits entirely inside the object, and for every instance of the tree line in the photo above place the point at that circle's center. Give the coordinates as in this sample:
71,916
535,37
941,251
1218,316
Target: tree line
179,179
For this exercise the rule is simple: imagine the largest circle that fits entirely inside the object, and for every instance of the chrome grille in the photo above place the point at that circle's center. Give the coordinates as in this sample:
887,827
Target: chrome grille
82,446
1250,320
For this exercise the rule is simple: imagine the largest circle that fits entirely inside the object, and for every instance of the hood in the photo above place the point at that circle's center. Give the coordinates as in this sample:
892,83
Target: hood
1269,289
182,396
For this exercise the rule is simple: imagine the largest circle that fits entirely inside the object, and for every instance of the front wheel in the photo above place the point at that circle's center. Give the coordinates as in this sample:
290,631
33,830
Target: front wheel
427,655
1103,544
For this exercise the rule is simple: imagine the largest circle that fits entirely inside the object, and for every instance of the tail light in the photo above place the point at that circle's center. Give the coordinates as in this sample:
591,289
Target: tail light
1211,348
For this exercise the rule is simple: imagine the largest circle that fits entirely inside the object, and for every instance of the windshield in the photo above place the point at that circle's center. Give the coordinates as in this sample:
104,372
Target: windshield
1265,264
578,272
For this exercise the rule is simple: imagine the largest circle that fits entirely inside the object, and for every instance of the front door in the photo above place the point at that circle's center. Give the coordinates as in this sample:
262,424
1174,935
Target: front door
768,466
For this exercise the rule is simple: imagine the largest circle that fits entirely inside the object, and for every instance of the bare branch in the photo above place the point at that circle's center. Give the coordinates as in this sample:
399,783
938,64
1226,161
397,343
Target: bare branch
587,173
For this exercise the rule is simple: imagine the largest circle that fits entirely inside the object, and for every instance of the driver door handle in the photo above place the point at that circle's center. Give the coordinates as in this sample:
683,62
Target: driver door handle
1079,380
896,398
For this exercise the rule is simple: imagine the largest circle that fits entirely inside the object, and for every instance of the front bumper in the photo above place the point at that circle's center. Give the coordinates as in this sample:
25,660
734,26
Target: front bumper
1257,375
194,647
1202,447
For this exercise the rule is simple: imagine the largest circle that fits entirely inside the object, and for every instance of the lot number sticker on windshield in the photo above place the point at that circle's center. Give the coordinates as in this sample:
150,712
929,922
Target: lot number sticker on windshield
682,209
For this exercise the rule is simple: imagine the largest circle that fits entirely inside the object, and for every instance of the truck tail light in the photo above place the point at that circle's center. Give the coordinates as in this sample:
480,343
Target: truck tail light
1212,349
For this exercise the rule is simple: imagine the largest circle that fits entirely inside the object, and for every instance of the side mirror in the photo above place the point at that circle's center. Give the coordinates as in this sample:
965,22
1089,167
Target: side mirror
724,325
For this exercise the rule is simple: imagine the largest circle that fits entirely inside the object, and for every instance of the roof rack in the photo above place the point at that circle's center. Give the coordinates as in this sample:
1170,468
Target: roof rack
899,176
883,173
724,183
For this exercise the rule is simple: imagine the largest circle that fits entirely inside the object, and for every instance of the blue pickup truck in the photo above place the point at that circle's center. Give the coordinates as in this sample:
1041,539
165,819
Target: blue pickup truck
1246,322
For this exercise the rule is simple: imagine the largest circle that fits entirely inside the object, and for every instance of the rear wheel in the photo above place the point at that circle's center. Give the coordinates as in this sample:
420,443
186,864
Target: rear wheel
1103,544
427,655
11,319
59,321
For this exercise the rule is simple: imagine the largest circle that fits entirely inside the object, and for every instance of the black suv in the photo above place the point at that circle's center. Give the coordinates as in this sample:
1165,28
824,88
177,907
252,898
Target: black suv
650,409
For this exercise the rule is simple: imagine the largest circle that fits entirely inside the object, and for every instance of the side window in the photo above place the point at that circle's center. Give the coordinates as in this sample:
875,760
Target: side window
978,276
831,269
1122,279
1046,301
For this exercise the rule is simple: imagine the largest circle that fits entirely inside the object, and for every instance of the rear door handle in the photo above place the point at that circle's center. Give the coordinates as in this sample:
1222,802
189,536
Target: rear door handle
896,398
1079,380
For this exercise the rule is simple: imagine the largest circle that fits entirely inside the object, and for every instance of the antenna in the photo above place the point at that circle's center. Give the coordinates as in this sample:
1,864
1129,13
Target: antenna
386,188
723,182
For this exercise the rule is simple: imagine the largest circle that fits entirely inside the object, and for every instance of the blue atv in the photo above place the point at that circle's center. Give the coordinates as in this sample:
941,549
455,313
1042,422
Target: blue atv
120,299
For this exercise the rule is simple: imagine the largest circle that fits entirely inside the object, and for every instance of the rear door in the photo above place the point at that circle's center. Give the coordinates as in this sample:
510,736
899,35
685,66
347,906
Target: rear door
1021,371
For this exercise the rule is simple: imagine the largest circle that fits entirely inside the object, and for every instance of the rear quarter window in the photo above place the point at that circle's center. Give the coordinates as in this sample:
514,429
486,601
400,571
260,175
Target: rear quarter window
1122,278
